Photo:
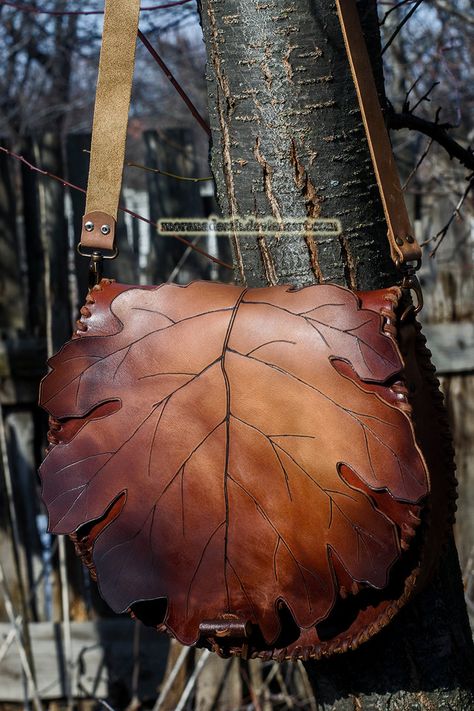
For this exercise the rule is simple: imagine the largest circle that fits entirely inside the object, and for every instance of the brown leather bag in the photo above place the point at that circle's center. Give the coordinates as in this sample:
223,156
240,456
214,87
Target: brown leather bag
247,469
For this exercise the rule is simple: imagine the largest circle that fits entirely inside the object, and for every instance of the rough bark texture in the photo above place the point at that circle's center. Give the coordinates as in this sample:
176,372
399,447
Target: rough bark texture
288,141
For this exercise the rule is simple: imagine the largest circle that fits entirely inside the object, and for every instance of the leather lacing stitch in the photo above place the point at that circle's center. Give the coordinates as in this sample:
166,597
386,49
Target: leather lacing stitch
83,548
424,354
54,425
392,299
85,311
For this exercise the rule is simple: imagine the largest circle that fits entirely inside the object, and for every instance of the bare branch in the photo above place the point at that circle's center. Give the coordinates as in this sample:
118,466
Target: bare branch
168,175
418,164
174,82
435,130
66,183
451,8
456,213
426,95
39,11
392,9
402,24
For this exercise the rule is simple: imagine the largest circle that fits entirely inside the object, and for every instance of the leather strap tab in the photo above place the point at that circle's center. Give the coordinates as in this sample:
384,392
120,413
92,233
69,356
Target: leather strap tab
403,246
98,230
109,130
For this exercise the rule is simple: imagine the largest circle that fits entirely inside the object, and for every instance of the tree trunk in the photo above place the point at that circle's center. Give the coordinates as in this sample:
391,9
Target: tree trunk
288,140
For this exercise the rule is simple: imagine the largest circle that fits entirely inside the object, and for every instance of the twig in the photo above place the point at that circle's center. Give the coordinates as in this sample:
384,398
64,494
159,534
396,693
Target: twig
40,11
419,162
435,130
135,700
174,82
131,164
66,183
168,175
439,237
313,705
6,644
21,649
454,11
171,678
284,689
401,25
90,694
66,627
254,696
392,9
426,95
15,539
106,705
183,240
181,261
205,654
406,103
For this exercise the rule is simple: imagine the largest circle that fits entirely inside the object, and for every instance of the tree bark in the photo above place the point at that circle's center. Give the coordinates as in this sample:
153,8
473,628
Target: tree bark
288,140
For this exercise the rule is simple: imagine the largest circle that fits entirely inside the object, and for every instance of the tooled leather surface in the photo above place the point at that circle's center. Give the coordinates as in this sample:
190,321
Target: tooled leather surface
256,450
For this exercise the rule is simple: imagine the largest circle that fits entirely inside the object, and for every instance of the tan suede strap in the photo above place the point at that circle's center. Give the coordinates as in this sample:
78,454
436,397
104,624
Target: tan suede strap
109,130
403,246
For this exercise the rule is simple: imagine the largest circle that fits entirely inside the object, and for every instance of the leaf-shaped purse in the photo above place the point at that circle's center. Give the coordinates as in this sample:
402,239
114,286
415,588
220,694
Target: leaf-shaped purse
246,469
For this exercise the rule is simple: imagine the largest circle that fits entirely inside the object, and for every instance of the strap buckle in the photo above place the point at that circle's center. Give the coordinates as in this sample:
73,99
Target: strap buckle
410,283
96,263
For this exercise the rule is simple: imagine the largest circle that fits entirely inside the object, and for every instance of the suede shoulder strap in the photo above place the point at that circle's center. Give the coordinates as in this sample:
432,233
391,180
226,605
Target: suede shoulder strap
109,128
117,58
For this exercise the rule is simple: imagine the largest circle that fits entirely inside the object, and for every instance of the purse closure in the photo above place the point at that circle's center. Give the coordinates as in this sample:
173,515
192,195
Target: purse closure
229,628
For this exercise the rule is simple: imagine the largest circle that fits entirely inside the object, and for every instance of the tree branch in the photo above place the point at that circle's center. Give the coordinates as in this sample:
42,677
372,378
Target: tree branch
435,130
456,213
174,82
393,9
401,25
39,11
137,216
418,164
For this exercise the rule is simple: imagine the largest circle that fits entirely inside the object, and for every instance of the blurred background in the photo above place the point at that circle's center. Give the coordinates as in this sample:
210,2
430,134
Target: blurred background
60,646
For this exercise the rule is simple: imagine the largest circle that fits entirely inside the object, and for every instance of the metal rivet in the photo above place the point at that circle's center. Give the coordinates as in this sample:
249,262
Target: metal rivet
89,226
399,241
105,229
410,239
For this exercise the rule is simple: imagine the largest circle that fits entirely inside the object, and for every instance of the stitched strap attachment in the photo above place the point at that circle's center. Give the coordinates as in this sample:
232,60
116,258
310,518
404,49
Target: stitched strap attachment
403,246
109,130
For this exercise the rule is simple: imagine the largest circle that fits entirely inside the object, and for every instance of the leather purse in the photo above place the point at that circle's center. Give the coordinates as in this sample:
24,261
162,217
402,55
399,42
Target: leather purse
267,471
